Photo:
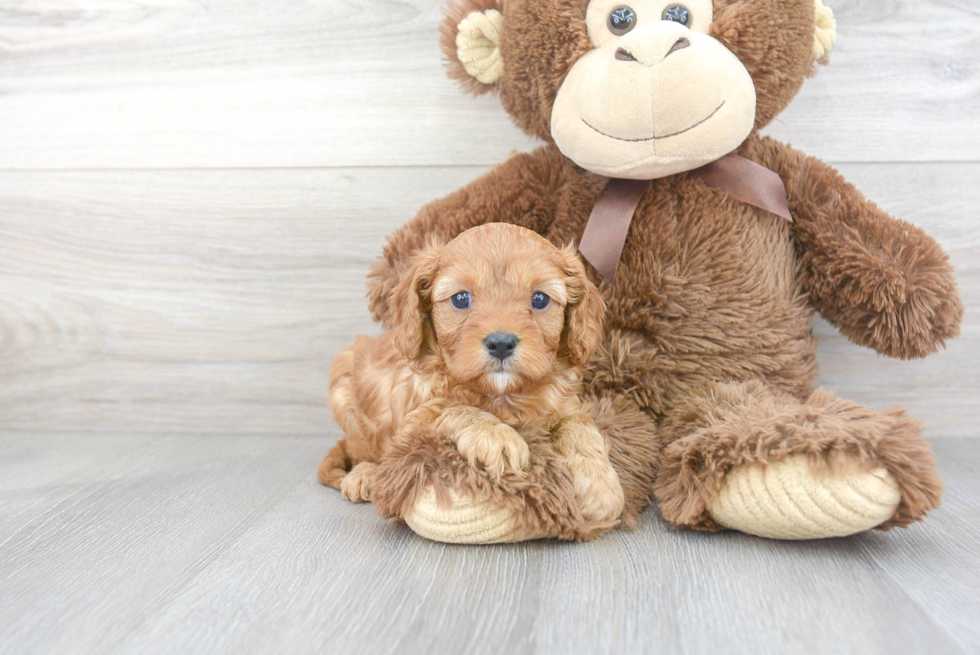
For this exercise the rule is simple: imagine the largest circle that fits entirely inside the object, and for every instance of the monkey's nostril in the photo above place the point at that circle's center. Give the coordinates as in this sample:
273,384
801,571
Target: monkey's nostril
680,45
622,55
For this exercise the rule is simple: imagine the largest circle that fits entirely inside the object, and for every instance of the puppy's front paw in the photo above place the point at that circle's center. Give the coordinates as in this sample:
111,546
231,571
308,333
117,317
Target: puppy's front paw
496,447
356,485
598,491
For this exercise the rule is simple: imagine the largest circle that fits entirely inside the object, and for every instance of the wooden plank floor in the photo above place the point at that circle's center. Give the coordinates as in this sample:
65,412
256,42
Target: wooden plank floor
191,192
227,544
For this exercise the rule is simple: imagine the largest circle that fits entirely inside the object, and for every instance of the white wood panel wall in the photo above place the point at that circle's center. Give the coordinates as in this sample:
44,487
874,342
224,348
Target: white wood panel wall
192,190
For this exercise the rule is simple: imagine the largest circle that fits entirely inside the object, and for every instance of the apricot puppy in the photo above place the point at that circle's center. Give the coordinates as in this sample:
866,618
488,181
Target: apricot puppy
488,340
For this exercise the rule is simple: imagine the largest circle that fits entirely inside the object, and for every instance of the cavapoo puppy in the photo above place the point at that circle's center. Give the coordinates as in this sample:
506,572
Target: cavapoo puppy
489,339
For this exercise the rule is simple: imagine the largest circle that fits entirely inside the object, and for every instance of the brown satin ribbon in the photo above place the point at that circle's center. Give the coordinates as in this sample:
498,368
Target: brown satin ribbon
605,233
748,181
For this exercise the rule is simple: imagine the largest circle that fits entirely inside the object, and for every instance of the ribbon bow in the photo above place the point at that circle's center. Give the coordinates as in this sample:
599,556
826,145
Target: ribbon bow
605,233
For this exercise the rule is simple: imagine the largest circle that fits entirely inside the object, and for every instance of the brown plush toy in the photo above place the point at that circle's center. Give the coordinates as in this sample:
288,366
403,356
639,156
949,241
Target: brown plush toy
712,247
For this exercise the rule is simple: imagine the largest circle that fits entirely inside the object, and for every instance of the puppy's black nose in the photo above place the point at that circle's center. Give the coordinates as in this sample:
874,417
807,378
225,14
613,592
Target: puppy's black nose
501,345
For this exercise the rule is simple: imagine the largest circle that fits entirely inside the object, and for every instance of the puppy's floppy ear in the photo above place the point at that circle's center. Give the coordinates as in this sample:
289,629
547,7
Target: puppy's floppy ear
585,311
411,303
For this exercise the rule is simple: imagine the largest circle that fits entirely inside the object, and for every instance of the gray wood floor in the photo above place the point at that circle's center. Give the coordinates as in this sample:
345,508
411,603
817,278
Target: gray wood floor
191,192
226,543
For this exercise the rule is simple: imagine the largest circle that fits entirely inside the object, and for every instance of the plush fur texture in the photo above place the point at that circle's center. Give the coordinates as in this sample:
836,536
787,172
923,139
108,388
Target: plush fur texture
432,382
708,355
542,500
722,426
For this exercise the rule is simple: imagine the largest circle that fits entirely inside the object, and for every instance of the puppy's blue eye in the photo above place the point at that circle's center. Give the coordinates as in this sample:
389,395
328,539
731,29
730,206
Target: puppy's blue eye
461,300
539,300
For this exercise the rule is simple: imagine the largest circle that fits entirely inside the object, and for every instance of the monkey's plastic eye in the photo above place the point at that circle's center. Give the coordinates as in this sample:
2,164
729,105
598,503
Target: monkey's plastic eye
621,20
461,300
539,300
677,14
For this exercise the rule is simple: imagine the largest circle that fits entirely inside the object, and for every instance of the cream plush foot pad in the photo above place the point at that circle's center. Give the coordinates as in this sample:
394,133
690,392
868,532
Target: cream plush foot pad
786,500
465,522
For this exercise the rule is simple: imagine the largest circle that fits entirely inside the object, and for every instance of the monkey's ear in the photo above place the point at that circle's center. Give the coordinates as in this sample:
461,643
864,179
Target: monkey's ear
470,38
825,32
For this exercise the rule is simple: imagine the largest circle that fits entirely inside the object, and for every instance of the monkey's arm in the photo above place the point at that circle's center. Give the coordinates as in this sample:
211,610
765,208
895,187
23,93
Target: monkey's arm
882,281
521,190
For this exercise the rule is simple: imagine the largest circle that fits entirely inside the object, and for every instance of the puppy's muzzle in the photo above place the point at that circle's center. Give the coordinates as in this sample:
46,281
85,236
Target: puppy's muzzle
501,345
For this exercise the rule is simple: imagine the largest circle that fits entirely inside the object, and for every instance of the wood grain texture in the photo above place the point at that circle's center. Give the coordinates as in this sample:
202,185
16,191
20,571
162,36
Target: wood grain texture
214,301
120,554
936,567
97,532
259,83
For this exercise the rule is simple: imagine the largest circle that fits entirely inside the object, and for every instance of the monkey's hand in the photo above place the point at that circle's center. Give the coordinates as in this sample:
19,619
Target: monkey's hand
883,282
598,491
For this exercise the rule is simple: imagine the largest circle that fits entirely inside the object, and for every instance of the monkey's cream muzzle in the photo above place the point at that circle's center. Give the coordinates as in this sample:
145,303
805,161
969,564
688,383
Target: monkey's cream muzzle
659,100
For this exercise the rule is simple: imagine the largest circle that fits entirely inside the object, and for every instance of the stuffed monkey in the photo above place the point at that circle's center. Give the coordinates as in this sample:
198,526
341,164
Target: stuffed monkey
713,247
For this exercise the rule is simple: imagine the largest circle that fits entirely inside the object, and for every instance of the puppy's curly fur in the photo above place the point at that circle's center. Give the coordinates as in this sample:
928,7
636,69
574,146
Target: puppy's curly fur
441,372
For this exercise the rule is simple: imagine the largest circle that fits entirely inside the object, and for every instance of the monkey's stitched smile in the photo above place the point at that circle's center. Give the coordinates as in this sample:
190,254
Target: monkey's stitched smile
654,137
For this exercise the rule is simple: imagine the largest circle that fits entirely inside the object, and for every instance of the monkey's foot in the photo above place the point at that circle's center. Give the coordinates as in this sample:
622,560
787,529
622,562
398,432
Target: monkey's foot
790,499
764,462
466,520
